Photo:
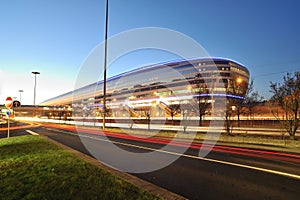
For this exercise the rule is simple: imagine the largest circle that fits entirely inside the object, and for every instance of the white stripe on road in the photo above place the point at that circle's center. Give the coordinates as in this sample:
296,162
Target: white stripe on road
295,176
31,132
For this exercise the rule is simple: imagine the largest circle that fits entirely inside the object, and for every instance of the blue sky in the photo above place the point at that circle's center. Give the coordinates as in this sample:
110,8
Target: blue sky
56,36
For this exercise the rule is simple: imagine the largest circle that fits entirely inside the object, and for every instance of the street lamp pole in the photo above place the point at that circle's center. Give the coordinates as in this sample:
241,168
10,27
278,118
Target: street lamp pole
105,63
239,81
21,95
34,96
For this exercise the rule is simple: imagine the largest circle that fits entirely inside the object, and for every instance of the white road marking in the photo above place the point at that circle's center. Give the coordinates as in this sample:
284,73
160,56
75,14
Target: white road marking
295,176
31,132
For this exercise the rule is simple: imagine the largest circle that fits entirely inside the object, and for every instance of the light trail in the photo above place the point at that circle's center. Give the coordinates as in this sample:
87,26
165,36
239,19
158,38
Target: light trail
30,125
194,145
290,175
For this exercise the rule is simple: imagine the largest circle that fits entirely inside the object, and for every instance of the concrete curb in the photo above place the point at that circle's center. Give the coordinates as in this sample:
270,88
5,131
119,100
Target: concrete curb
154,189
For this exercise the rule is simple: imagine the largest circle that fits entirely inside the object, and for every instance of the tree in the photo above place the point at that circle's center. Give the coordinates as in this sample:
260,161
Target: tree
236,87
174,110
287,97
251,99
228,118
202,101
147,114
186,113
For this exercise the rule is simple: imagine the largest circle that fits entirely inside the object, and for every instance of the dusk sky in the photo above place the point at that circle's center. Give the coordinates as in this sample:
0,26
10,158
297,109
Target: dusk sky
54,37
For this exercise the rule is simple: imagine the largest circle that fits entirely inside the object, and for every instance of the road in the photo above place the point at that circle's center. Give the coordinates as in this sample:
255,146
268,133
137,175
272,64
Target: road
226,173
16,129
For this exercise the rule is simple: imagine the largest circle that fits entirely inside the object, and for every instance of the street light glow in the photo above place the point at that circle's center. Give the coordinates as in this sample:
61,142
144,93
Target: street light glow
239,80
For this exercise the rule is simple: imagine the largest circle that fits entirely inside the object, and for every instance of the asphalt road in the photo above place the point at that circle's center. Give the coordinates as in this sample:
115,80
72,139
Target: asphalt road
223,174
13,132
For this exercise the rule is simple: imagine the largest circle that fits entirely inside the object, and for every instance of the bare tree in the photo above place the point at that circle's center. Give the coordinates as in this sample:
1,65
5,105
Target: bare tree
172,110
251,99
186,113
287,97
148,120
228,119
202,100
147,114
236,87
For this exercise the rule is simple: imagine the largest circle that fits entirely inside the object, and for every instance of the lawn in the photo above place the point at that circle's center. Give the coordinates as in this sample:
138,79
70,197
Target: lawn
33,168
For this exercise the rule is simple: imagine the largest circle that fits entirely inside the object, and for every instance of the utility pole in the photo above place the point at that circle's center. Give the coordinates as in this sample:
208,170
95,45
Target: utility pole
21,95
105,63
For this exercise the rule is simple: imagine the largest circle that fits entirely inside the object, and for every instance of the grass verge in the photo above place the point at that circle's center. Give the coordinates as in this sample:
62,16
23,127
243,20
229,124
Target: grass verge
34,168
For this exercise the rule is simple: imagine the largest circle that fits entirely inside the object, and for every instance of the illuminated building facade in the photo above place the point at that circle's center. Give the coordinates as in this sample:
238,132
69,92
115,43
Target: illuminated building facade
159,90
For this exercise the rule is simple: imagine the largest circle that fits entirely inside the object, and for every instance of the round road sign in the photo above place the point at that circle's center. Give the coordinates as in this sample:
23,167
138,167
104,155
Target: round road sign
8,102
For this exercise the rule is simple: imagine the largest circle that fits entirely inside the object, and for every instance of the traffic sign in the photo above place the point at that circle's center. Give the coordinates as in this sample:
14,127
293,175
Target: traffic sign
16,104
6,111
8,105
8,102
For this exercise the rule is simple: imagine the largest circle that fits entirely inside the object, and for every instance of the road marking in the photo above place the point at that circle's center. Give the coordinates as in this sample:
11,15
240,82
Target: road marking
31,132
295,176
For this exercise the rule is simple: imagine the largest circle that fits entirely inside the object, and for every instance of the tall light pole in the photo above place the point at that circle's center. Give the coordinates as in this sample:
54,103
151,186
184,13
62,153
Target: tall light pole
239,82
34,96
20,94
104,69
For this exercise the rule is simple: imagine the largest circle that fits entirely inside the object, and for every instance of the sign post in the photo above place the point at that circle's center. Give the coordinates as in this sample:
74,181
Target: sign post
8,126
8,105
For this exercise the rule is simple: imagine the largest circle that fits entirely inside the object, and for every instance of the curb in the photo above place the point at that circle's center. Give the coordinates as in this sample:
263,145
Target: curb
154,189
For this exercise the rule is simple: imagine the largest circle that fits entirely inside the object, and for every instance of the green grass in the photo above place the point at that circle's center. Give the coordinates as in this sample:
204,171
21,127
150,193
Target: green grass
33,168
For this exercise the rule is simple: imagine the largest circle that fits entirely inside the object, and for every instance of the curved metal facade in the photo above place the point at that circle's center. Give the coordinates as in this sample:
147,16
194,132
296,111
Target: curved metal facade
162,85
